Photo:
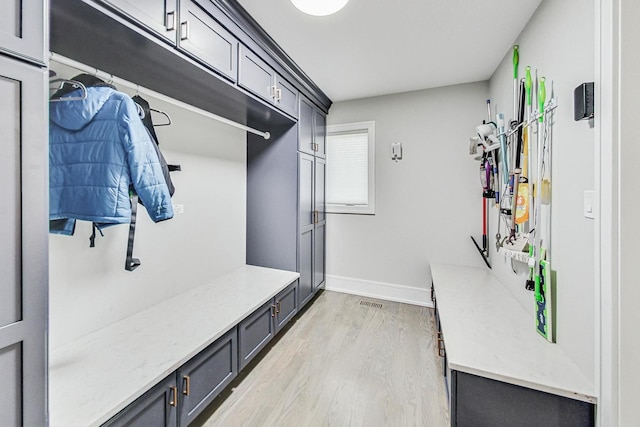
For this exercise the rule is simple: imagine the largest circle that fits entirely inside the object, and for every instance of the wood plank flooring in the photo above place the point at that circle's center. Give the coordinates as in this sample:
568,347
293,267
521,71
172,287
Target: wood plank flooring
341,364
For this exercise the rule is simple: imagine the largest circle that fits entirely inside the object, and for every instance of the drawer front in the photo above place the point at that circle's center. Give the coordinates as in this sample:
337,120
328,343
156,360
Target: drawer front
256,76
205,39
157,407
203,378
286,305
255,332
287,100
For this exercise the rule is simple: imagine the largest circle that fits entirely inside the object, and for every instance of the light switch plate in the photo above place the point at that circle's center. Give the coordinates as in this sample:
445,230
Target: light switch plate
589,208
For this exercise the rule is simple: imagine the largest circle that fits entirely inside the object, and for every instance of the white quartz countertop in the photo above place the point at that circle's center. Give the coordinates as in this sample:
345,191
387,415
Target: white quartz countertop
93,378
488,333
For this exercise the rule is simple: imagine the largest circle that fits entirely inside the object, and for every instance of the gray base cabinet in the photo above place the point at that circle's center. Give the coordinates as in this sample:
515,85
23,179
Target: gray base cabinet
476,401
157,407
206,375
255,332
182,396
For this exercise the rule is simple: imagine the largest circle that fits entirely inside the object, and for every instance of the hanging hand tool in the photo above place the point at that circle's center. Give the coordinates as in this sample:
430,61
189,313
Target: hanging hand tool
528,84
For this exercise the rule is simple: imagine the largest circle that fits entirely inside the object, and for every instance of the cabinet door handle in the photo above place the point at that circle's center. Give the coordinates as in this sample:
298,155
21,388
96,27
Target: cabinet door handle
441,351
278,306
186,385
273,91
278,94
173,399
273,310
184,30
170,21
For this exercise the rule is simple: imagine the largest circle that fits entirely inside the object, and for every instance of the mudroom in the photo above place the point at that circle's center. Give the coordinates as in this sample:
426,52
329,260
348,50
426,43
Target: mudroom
315,213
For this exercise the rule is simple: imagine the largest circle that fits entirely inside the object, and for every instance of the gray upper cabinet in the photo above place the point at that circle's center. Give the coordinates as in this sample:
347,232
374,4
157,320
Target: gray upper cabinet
320,133
23,243
256,76
160,16
305,127
22,29
203,38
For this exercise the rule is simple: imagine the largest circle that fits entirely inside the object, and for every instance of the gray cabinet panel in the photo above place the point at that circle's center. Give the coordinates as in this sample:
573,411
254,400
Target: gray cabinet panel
287,99
319,193
22,29
206,375
11,209
205,39
160,16
305,127
320,133
306,266
319,256
255,332
23,242
157,407
11,380
286,305
305,190
255,75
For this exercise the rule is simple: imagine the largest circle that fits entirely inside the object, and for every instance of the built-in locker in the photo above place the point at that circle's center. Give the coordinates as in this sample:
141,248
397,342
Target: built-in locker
23,236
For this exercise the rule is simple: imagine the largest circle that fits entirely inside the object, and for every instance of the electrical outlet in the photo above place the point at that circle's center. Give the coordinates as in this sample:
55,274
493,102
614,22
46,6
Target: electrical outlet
178,209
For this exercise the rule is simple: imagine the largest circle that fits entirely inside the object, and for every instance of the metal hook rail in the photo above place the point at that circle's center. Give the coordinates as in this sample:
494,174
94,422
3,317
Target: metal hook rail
142,90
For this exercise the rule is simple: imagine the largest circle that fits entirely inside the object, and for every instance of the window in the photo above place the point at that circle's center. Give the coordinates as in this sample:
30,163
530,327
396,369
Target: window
350,168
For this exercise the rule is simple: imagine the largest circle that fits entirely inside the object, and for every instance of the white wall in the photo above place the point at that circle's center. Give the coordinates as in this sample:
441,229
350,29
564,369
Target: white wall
629,205
427,205
559,42
89,287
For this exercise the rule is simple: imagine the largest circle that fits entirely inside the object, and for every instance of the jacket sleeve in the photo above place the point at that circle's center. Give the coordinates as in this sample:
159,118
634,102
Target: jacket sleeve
144,167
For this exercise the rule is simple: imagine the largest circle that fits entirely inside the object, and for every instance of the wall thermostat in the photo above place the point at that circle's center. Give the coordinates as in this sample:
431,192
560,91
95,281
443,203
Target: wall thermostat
583,102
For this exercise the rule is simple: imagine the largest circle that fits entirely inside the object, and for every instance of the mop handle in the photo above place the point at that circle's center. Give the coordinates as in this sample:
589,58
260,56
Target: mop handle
528,84
542,94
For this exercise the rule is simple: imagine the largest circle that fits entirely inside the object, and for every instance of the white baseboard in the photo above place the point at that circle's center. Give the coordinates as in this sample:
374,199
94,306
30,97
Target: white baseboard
379,290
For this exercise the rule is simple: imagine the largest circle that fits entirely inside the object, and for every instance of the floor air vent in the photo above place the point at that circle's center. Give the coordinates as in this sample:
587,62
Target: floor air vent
371,304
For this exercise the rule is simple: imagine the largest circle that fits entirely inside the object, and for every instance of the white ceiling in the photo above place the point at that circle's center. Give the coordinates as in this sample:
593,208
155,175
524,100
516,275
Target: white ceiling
372,48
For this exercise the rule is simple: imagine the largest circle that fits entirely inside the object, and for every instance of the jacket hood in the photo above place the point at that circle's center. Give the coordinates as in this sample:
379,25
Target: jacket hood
74,115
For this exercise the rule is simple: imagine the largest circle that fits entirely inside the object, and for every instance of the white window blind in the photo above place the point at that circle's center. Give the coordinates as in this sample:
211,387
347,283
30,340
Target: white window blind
350,168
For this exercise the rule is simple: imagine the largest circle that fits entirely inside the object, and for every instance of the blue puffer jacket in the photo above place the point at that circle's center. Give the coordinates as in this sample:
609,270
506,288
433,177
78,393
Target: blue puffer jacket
97,147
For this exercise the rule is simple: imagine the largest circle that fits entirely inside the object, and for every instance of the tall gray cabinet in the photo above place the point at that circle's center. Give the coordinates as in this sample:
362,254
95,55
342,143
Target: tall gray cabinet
311,196
23,213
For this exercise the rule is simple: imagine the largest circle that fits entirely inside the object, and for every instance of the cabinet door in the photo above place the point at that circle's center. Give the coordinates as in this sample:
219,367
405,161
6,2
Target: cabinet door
157,407
320,226
23,243
206,375
305,190
319,256
204,38
160,16
255,332
305,127
305,261
286,305
22,29
287,97
320,134
256,76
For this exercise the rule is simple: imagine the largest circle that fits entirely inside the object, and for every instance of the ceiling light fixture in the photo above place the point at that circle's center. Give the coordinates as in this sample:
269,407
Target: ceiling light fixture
319,7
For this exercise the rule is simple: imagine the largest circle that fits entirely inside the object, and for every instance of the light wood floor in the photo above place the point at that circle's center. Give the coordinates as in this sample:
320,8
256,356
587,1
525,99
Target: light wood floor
341,364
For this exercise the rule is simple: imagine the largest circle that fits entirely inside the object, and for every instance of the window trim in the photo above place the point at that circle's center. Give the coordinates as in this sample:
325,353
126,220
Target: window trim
369,209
